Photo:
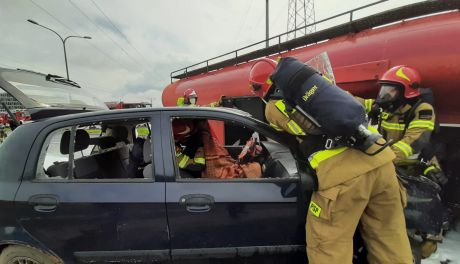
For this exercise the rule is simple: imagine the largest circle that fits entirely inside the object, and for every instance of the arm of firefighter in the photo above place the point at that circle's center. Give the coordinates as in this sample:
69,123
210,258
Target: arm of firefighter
275,118
197,163
281,121
367,103
417,134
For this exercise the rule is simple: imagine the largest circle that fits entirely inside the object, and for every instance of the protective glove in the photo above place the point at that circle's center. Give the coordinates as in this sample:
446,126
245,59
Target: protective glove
435,174
192,144
374,113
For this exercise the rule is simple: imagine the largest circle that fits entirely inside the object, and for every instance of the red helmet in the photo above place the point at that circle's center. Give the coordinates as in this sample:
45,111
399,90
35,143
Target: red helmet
182,129
190,94
259,76
403,76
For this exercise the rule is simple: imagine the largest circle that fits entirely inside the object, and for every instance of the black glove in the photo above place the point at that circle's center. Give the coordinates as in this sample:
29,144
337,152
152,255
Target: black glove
192,145
374,113
436,175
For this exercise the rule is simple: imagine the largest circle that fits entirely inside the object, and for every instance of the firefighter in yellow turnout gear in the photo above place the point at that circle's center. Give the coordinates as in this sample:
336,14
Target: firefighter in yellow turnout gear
408,121
190,154
404,118
355,190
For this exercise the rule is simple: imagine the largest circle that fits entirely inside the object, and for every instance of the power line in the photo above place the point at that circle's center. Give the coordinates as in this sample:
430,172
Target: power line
25,66
63,24
119,31
99,28
242,23
51,15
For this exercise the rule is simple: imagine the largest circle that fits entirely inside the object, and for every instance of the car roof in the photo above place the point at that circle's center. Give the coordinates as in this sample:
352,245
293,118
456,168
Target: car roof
146,110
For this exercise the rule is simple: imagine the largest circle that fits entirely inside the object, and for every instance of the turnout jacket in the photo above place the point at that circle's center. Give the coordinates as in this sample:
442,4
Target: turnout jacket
410,136
333,166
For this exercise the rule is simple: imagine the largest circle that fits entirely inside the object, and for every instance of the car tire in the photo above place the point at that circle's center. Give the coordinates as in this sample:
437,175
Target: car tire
416,251
22,254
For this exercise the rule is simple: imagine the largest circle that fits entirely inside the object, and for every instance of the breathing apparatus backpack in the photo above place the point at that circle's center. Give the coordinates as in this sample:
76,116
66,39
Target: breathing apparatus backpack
337,114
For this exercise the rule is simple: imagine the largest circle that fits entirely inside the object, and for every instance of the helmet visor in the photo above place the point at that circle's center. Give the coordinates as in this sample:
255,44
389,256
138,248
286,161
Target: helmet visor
389,93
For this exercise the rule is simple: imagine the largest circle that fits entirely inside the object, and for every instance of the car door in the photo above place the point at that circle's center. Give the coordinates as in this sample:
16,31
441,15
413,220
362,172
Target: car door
97,219
232,220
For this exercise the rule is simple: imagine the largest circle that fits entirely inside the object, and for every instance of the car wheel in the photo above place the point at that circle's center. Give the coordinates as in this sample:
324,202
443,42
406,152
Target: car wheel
416,251
26,255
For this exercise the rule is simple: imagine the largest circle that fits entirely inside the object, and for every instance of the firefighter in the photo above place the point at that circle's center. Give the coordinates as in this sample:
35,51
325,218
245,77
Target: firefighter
189,147
189,99
407,120
2,131
353,188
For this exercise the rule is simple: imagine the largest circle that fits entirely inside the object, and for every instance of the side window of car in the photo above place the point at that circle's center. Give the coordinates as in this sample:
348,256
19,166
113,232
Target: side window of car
98,151
53,160
249,154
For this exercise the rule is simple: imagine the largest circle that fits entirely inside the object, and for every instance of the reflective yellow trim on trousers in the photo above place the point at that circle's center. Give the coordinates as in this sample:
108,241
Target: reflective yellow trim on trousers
422,124
183,161
368,104
393,126
404,147
201,161
292,125
323,155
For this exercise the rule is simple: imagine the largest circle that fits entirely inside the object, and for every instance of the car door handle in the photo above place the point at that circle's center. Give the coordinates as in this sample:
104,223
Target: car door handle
197,203
44,203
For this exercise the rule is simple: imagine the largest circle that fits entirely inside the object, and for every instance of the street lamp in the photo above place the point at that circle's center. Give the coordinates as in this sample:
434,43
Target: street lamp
63,42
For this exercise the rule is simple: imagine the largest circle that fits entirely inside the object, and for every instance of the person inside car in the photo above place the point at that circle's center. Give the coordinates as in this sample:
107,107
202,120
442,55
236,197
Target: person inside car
188,147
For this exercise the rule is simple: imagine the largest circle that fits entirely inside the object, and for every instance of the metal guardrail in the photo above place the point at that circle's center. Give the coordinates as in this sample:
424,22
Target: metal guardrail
390,16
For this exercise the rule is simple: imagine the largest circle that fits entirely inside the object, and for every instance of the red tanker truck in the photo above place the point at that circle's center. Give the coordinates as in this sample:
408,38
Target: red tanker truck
424,35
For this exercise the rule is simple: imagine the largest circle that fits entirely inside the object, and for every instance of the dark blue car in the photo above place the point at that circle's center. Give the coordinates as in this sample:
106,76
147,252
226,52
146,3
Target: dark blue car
72,188
104,186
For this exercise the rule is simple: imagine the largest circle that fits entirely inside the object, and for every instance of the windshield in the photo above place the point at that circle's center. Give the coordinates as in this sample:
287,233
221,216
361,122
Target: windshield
55,96
49,93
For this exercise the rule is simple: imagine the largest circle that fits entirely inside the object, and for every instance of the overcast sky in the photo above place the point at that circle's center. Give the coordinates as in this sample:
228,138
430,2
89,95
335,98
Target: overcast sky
136,44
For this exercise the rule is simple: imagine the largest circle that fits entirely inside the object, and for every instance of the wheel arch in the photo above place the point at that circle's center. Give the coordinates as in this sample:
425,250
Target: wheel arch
6,243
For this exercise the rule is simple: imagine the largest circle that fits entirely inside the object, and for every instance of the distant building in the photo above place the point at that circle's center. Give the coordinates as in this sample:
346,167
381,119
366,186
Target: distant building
10,102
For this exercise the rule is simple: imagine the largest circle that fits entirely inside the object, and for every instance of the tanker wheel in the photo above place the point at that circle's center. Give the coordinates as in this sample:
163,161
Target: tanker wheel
416,251
26,255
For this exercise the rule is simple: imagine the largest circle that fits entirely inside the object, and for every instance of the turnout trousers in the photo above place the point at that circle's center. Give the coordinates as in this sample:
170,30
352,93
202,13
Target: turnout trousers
374,203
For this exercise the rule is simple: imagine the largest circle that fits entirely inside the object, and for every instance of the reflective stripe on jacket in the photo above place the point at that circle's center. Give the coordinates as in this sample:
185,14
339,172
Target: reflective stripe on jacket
409,139
294,128
275,112
184,161
333,166
413,137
